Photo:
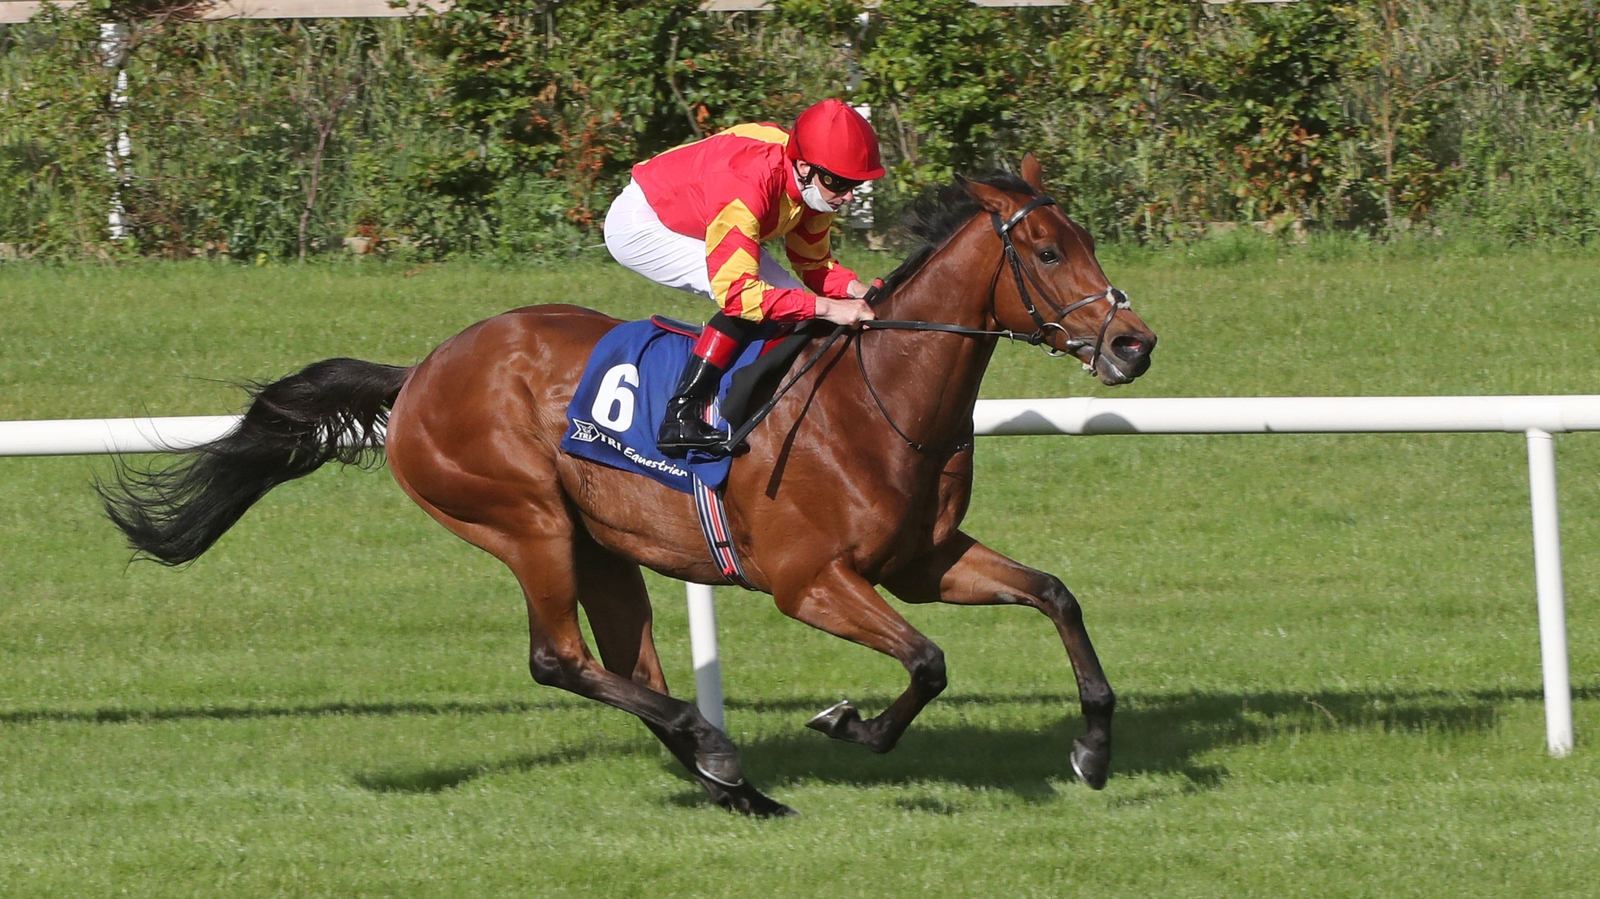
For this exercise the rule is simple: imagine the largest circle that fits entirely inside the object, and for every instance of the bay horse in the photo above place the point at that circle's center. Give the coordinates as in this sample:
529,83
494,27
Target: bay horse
859,476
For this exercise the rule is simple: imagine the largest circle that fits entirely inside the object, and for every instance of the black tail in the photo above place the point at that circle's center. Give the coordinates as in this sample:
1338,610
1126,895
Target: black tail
333,409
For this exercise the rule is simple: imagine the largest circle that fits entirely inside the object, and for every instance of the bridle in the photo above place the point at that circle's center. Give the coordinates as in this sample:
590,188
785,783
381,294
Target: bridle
1023,276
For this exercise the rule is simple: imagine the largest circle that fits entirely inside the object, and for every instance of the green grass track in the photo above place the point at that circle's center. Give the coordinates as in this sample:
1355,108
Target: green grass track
1325,647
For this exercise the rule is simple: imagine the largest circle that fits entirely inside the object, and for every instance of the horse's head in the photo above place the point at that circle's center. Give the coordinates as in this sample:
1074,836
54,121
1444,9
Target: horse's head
1050,283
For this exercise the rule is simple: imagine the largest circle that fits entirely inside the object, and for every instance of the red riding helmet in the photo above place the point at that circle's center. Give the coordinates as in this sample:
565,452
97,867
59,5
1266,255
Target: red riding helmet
837,138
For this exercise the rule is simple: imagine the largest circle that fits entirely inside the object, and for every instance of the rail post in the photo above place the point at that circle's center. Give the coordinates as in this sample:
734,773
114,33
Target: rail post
703,651
1550,591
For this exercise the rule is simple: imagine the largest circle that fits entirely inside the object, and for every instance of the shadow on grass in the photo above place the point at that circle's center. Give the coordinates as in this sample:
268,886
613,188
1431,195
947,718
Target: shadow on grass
439,779
310,710
1163,735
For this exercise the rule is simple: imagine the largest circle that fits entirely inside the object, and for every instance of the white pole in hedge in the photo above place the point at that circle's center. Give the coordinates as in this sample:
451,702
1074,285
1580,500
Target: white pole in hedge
113,53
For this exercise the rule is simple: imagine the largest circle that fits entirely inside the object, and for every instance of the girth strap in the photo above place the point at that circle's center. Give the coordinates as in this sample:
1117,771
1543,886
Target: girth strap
713,516
719,537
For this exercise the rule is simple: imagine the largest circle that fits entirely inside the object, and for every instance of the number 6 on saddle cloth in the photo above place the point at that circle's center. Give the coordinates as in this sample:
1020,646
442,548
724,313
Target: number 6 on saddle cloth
617,409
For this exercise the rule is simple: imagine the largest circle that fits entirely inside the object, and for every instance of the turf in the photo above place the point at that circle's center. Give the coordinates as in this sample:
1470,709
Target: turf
1325,647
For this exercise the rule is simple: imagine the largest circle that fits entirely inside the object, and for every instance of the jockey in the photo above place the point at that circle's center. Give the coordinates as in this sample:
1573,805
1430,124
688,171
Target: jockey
694,218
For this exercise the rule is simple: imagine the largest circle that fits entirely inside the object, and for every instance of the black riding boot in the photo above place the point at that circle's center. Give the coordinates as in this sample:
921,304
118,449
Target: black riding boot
683,429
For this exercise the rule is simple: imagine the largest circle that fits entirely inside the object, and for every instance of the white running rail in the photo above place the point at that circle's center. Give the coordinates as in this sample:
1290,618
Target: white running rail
88,436
1538,418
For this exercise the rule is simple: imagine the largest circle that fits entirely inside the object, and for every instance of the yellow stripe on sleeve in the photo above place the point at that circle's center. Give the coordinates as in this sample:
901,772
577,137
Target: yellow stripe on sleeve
810,245
735,216
807,256
741,263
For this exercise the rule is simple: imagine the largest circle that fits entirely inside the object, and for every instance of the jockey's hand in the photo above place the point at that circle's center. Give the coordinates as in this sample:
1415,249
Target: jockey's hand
844,311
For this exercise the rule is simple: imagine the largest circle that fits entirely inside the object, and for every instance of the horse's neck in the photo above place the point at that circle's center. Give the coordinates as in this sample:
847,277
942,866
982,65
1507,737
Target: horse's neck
949,287
928,381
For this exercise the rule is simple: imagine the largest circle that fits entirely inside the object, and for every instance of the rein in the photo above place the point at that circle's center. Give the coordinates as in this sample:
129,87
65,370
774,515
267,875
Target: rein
938,450
738,436
1022,275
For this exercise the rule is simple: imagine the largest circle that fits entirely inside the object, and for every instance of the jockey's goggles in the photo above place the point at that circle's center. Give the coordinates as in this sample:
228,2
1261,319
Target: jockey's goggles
833,182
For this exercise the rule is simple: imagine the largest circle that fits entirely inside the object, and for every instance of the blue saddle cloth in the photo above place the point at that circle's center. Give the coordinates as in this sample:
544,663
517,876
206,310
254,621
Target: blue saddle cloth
622,397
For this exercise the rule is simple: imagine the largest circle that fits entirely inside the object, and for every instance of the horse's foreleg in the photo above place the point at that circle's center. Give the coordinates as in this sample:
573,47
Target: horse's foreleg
840,602
965,572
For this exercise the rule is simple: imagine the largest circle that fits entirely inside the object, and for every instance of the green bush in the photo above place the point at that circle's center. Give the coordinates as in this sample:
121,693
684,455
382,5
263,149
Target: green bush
503,128
55,123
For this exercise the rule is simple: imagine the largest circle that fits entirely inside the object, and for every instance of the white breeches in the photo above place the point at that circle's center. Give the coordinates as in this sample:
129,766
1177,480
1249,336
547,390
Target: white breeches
637,239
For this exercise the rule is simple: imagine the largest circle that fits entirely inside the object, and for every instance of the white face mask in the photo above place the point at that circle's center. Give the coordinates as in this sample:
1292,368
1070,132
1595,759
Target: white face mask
811,195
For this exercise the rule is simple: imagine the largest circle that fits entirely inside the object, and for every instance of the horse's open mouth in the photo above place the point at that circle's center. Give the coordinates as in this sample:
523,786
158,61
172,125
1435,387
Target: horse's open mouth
1124,359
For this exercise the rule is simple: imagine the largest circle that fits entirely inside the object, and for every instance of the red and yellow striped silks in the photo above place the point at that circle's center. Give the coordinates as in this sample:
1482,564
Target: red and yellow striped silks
735,191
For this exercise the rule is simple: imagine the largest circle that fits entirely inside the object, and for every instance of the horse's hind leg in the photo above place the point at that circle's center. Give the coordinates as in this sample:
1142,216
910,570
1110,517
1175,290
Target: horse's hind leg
617,604
613,595
965,572
556,564
554,574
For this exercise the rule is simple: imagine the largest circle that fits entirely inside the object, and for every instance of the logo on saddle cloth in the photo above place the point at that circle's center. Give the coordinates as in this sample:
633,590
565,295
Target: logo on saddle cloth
616,412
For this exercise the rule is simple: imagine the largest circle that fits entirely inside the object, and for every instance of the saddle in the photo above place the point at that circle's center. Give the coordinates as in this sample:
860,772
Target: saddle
617,409
778,352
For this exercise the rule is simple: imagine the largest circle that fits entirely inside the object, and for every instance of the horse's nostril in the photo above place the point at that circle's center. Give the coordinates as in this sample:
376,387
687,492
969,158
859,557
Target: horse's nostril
1128,347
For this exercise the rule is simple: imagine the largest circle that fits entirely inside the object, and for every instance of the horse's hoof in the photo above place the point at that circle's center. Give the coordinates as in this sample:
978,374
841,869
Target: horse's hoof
759,806
721,768
747,800
775,809
835,718
1091,765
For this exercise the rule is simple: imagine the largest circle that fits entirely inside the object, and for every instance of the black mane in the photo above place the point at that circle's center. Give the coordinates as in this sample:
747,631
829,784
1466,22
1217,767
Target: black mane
935,217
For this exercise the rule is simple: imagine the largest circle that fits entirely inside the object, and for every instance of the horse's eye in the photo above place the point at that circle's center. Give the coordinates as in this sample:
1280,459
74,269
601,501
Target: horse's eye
1049,257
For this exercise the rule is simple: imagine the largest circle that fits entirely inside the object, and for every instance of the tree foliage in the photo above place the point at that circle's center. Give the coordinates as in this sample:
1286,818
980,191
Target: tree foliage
503,127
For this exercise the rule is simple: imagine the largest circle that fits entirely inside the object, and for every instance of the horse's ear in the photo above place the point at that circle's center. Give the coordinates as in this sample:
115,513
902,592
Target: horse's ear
1032,173
992,199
